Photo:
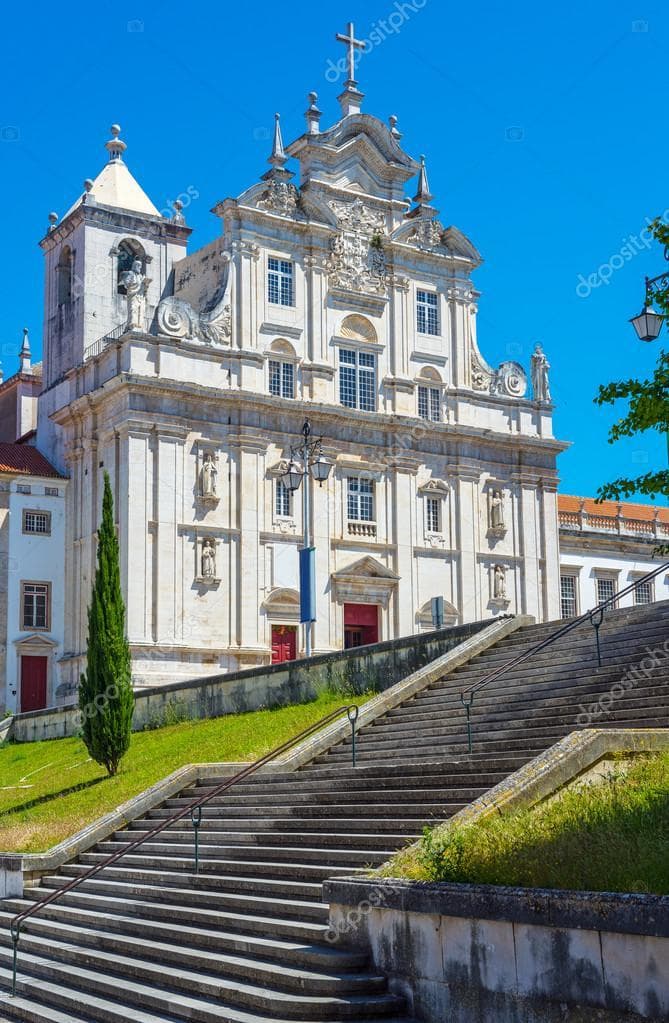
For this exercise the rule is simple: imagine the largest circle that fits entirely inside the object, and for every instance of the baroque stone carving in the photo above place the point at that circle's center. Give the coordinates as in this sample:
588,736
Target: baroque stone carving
427,234
208,560
136,284
511,379
540,368
499,582
496,510
177,318
280,197
208,474
357,260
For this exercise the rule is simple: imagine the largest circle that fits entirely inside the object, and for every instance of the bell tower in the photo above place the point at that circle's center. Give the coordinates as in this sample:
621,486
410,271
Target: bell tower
110,229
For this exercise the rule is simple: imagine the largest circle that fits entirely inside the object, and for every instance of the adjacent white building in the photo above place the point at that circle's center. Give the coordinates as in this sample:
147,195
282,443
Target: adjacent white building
32,582
606,547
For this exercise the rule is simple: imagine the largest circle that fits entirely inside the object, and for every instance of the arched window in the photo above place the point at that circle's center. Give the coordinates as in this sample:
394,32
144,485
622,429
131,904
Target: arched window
428,393
281,369
64,276
128,251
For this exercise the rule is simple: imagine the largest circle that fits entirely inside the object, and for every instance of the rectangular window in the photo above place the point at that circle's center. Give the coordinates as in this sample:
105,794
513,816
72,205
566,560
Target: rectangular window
35,605
427,312
52,491
429,403
37,522
283,505
606,588
281,379
279,281
357,379
568,603
360,499
433,515
643,594
23,488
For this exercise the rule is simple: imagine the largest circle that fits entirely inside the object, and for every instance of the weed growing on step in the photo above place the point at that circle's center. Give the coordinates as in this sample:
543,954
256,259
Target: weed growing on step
612,835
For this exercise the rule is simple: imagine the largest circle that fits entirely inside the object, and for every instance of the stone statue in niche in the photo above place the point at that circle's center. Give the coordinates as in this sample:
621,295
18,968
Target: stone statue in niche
135,283
208,559
496,511
540,367
208,474
499,582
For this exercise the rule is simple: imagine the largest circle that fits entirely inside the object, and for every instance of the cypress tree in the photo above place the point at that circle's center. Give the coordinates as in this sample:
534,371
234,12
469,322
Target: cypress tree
106,698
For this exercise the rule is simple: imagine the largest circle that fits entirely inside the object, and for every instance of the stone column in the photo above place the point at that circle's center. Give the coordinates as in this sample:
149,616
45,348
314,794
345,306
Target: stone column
551,552
404,501
472,593
250,452
529,540
169,567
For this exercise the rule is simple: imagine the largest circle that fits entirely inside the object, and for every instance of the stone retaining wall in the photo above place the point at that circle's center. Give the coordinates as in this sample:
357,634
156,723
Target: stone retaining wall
505,955
352,671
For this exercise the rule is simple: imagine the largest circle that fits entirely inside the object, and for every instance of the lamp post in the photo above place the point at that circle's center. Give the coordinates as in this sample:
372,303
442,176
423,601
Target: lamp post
648,323
307,462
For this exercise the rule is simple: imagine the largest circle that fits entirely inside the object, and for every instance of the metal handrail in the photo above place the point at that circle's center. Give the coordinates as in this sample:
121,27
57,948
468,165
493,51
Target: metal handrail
594,616
194,808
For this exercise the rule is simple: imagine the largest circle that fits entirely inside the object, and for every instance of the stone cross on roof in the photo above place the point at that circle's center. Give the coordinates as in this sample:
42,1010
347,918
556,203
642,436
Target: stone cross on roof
352,44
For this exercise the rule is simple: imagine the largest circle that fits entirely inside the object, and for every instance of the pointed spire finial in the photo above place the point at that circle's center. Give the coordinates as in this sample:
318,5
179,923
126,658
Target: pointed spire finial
313,114
423,196
25,354
115,147
278,156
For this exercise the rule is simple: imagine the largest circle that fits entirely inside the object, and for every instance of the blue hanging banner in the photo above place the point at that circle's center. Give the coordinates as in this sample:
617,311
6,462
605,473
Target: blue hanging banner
308,584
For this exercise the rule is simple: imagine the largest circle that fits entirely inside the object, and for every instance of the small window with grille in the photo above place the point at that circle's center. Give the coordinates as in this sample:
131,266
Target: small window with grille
281,379
280,274
427,312
643,594
606,588
357,379
360,499
568,599
429,403
433,514
38,522
283,500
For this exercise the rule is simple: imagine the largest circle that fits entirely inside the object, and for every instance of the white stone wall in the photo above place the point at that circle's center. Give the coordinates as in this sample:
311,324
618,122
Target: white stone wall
35,558
593,559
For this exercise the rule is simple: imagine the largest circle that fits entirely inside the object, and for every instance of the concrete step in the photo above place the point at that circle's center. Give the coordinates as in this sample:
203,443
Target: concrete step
198,895
183,916
253,829
101,992
245,858
246,842
76,922
190,971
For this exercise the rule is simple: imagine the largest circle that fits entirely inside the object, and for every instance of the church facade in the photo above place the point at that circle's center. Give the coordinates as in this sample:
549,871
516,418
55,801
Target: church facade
328,296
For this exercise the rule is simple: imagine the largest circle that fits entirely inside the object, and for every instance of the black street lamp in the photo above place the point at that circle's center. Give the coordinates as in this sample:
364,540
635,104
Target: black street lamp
307,460
648,323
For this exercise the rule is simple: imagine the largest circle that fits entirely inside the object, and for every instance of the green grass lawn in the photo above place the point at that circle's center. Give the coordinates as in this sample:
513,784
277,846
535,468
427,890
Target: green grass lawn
613,836
50,790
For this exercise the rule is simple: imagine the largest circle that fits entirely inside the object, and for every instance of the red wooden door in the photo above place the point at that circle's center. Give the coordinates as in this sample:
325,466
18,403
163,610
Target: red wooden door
284,643
33,683
361,624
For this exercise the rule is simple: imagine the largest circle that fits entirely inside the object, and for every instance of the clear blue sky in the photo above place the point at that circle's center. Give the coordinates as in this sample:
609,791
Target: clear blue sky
543,126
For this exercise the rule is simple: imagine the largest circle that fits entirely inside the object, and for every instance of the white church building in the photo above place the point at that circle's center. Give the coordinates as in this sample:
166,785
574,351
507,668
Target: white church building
187,376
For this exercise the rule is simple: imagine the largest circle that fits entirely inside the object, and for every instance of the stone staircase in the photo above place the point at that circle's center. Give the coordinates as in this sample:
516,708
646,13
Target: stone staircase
243,941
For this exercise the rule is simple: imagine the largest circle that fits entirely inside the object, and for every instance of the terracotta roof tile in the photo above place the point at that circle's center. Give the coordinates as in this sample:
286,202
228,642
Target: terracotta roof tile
609,509
25,460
